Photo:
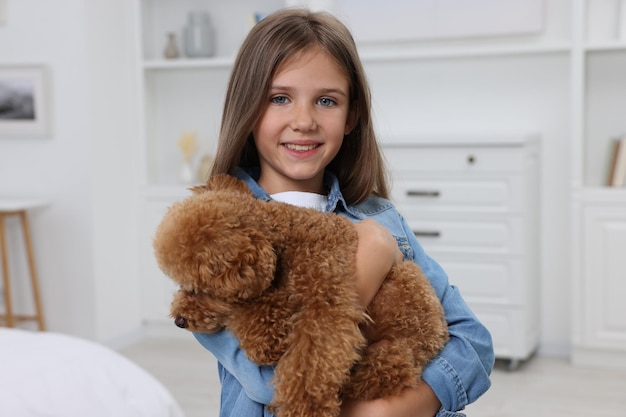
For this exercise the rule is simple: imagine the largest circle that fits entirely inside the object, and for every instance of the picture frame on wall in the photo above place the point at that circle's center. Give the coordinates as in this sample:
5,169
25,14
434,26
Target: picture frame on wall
3,12
24,107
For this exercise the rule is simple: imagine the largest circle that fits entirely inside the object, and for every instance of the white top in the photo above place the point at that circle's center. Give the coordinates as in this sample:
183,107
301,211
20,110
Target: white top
302,199
20,203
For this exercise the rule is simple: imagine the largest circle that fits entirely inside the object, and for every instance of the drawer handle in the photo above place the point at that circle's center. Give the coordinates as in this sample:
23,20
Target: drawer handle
427,233
423,193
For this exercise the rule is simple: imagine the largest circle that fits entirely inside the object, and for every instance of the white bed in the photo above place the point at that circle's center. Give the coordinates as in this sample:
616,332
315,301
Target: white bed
46,374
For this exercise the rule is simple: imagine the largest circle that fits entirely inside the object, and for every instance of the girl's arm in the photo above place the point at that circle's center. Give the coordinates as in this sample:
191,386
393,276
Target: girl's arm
460,372
255,379
377,252
420,401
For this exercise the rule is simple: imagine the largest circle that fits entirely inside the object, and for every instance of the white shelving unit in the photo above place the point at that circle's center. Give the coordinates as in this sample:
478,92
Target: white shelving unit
177,96
566,82
184,94
598,212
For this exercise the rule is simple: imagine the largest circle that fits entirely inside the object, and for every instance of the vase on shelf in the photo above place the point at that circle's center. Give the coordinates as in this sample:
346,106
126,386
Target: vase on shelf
186,173
188,145
199,40
171,48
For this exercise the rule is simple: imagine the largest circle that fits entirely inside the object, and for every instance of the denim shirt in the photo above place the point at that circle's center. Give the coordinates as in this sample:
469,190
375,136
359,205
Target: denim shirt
458,375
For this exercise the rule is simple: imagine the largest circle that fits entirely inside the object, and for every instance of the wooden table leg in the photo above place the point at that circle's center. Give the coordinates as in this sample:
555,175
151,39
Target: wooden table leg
5,275
33,273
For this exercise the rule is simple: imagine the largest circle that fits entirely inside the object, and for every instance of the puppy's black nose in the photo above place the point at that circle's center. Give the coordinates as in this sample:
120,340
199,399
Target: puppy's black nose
181,322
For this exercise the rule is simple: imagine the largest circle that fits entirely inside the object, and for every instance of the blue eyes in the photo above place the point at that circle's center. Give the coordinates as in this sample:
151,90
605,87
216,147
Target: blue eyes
280,100
324,101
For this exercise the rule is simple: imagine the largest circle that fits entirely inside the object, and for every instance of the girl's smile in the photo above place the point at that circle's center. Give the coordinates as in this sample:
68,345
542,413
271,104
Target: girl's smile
303,124
300,148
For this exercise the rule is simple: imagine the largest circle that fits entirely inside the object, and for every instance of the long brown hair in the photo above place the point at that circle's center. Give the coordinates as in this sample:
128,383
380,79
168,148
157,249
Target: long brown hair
280,36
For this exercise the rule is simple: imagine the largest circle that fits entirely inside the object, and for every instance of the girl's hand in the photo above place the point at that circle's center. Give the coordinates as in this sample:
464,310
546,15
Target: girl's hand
412,402
377,252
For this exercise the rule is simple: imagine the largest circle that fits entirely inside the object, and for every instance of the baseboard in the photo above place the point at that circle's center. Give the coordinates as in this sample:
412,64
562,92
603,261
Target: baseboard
555,350
599,358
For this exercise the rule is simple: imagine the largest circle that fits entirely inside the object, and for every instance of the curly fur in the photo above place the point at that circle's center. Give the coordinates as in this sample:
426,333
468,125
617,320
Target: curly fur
281,279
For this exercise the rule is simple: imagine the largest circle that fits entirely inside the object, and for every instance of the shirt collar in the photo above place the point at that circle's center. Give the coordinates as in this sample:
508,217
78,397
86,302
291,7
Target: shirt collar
336,201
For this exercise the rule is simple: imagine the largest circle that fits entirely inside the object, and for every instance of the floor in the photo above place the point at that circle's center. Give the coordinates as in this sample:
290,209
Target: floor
540,387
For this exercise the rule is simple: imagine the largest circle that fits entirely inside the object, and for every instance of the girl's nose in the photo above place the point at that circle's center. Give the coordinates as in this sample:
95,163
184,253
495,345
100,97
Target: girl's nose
303,118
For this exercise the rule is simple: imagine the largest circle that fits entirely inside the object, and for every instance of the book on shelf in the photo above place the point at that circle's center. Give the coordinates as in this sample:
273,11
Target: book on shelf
617,171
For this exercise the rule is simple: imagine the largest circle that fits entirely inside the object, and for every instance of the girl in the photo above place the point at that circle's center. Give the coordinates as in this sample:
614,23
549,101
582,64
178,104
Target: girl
297,128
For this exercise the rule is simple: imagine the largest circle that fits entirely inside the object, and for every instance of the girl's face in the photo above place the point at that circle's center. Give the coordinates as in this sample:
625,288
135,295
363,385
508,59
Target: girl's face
303,124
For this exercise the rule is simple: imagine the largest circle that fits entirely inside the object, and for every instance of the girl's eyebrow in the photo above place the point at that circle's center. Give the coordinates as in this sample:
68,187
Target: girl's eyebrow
334,91
328,90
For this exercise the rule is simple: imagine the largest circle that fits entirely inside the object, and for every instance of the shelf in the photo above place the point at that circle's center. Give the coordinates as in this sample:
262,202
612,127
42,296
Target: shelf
184,63
471,139
375,56
369,55
605,46
604,195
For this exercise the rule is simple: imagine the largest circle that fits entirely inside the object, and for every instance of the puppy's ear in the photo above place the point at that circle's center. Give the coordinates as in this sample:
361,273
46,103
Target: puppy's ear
201,243
227,182
198,189
219,182
241,267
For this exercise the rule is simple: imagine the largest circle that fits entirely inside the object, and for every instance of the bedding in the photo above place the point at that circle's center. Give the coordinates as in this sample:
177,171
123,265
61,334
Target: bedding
48,374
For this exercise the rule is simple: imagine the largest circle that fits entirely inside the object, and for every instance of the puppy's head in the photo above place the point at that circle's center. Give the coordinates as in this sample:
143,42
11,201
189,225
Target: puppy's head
203,244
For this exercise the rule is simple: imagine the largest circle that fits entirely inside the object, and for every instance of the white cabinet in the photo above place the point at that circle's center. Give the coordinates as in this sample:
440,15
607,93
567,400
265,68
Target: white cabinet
598,244
599,311
473,205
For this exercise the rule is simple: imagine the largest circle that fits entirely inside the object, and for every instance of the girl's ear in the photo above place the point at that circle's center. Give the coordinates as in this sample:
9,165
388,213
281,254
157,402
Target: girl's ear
350,120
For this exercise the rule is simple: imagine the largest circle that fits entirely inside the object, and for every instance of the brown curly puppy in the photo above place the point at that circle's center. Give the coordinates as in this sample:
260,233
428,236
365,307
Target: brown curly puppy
281,278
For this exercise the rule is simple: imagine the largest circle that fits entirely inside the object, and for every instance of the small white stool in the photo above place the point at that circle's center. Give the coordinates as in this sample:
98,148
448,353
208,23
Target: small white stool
19,207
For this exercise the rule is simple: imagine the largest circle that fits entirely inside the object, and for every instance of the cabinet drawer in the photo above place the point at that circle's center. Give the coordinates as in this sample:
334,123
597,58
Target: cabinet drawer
461,159
515,335
497,281
504,328
502,236
500,194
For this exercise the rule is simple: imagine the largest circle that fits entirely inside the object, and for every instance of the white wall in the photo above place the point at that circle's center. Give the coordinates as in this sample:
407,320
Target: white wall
84,239
113,116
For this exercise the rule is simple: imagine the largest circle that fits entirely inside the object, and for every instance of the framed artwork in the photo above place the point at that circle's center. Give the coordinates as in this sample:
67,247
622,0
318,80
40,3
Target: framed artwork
24,111
3,11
